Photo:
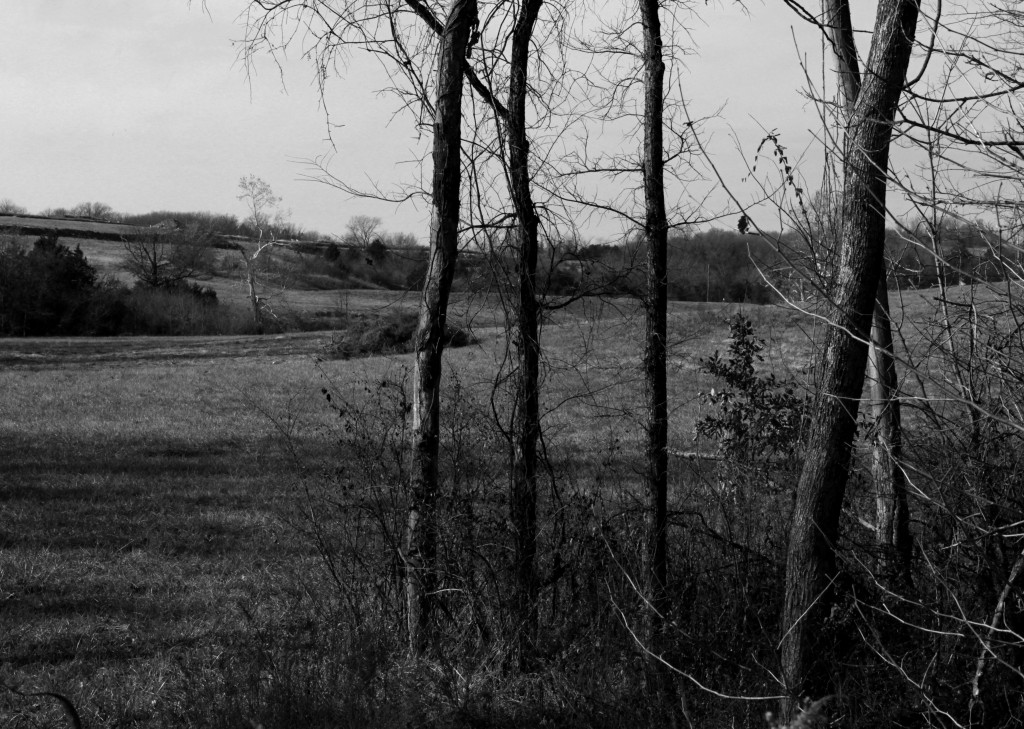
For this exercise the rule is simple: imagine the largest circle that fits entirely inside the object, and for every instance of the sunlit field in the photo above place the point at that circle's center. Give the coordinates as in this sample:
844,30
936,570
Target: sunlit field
166,499
152,487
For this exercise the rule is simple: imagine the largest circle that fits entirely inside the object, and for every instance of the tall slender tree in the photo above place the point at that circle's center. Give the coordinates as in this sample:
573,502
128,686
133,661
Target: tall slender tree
526,415
421,524
811,564
401,35
892,518
655,350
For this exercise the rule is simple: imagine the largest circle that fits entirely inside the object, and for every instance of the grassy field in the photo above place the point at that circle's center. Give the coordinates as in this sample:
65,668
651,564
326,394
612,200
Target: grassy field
171,508
160,559
155,491
152,487
192,534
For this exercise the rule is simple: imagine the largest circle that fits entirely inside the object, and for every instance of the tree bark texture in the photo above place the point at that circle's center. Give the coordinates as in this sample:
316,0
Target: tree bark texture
421,527
254,299
892,510
526,412
811,568
656,392
892,521
839,31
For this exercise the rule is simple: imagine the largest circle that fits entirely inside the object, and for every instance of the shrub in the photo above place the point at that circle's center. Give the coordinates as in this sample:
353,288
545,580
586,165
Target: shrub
185,309
754,414
108,311
45,290
391,333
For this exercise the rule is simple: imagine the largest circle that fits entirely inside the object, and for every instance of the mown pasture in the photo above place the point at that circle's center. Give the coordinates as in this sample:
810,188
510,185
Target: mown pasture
150,484
156,491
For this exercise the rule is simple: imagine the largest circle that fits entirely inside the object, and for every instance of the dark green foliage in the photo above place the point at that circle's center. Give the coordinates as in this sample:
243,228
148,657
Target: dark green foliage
109,310
377,251
44,290
752,413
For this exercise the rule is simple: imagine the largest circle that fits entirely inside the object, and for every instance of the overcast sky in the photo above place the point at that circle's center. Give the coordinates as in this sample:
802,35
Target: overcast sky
143,105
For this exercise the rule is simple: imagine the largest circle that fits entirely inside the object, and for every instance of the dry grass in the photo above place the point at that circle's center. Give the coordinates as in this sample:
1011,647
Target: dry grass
146,499
151,489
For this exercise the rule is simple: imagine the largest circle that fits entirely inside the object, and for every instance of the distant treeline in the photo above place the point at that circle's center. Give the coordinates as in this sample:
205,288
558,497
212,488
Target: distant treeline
217,223
966,253
962,252
711,265
726,265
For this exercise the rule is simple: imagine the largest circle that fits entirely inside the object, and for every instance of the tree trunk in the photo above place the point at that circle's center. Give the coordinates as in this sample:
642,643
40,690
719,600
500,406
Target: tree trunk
655,382
811,570
892,522
254,299
526,413
421,526
892,512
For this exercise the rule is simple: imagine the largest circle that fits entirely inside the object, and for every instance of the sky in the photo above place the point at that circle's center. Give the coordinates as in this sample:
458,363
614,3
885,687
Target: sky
144,105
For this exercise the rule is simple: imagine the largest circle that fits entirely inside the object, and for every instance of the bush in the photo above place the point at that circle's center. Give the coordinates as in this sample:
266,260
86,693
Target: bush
108,311
754,415
391,333
45,290
186,309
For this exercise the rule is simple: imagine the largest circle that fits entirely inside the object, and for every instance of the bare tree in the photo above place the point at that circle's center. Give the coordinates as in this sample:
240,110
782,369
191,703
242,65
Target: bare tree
251,258
811,570
655,233
966,122
95,210
526,416
167,259
363,230
892,518
260,201
411,38
421,525
9,207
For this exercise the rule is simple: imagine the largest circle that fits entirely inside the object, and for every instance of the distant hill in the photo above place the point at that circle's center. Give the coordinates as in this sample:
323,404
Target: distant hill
69,227
91,228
